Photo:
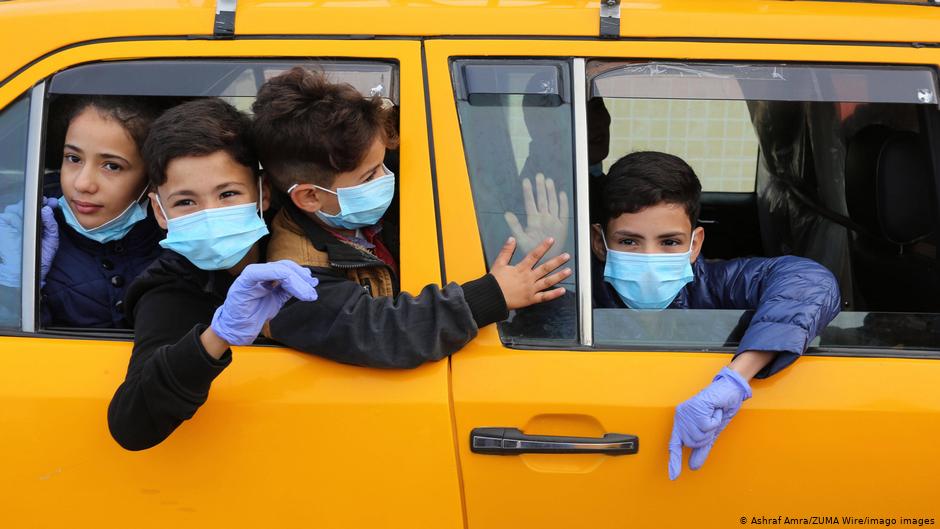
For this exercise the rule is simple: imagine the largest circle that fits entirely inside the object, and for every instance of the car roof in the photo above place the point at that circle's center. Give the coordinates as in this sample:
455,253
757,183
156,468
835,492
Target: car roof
30,29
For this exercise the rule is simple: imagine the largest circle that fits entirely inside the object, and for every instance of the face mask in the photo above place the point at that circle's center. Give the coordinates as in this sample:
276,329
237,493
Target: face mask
648,280
218,238
111,230
362,205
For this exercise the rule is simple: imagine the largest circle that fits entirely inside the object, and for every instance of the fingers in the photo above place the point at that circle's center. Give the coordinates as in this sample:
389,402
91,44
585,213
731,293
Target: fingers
552,197
300,287
528,198
697,459
541,197
548,295
549,281
553,263
562,205
514,225
505,253
535,255
50,202
675,453
49,225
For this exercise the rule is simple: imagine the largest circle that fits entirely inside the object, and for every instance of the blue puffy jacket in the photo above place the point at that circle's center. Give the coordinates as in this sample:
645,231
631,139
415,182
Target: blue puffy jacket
85,286
794,298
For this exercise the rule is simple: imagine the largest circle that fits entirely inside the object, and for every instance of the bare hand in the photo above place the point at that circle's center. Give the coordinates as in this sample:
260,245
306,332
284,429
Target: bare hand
525,284
546,215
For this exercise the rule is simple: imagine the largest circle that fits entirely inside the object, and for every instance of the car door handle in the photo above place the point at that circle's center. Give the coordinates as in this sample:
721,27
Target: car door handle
511,441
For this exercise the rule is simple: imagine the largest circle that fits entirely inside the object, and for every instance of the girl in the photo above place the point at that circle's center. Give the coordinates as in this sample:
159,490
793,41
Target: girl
106,236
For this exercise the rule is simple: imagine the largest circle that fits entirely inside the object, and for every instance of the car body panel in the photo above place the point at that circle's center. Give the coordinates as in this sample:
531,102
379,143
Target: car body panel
286,439
829,436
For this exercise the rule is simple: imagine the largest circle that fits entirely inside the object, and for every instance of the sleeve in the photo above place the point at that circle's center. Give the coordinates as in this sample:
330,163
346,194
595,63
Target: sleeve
170,372
794,298
347,325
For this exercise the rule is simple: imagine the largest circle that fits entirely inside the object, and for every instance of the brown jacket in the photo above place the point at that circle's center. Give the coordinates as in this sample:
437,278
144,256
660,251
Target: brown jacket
360,317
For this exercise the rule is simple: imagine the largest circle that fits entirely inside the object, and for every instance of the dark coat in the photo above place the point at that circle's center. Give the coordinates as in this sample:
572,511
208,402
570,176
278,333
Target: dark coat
793,299
88,280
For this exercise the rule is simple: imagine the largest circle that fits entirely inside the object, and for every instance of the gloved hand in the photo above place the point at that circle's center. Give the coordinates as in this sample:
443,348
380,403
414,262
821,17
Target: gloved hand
257,295
699,420
49,241
11,245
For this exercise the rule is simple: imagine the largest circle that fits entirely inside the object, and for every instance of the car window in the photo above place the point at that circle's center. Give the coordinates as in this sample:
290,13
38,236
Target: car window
516,123
165,83
13,137
840,160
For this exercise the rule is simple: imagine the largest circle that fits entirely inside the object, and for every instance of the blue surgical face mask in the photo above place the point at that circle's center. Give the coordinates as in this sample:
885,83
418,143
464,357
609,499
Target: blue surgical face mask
111,230
217,238
362,205
648,280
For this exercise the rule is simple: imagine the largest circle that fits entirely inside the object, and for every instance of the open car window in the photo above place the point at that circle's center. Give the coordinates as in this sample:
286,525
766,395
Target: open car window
843,172
169,82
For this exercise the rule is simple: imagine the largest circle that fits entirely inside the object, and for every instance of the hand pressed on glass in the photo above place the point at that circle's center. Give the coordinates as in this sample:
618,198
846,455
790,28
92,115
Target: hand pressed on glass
546,215
525,284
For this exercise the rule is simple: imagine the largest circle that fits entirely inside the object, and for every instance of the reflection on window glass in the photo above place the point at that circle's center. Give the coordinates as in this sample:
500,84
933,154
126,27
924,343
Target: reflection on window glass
510,139
13,127
716,138
910,334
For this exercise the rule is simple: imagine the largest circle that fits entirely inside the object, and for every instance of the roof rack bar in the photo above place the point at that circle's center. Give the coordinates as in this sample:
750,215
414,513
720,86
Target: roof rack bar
610,19
224,25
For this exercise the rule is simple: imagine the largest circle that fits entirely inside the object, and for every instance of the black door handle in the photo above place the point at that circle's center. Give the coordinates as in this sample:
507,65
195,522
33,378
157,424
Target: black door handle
511,441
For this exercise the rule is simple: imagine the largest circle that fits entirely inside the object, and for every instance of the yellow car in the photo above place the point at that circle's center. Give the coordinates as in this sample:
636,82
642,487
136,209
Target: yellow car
786,109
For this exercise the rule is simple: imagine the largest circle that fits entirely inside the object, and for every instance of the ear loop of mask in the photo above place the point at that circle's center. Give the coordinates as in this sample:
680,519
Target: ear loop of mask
129,206
385,172
260,201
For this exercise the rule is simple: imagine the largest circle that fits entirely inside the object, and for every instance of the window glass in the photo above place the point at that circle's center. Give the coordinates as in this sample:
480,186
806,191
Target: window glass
13,132
516,122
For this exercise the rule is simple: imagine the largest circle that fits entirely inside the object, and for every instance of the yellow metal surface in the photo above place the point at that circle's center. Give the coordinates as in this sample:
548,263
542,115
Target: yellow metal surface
827,437
286,439
31,28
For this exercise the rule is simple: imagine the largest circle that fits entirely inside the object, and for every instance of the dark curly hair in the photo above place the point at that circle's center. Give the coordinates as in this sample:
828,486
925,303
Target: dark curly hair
308,130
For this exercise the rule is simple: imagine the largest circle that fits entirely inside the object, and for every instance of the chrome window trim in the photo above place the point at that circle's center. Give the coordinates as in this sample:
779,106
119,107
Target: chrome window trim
582,224
37,100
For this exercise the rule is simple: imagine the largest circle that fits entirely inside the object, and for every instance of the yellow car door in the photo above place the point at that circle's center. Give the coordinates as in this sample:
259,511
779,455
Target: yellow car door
563,415
286,439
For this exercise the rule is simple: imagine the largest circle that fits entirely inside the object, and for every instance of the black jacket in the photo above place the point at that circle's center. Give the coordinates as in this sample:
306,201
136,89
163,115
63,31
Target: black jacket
172,303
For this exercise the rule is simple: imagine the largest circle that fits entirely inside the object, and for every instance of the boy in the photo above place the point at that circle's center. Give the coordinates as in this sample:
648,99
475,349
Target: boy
323,145
647,251
203,293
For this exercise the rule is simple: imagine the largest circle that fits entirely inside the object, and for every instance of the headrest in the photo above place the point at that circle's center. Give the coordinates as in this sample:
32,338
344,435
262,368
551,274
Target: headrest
888,185
904,189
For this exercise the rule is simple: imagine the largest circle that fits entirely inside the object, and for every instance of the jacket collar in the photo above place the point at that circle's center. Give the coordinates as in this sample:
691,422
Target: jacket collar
340,254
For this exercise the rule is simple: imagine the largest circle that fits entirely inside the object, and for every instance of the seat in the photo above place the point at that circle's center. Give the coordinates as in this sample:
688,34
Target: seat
890,193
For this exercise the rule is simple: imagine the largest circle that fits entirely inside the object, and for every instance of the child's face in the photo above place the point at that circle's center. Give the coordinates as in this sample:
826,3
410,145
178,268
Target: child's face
311,199
195,183
662,228
102,171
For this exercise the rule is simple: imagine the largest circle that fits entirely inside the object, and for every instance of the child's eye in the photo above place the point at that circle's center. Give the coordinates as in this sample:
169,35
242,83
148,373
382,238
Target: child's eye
71,158
670,242
627,242
228,194
111,166
183,203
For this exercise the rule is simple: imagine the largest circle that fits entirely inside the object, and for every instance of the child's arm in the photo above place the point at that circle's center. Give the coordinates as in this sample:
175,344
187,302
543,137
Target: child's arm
169,377
348,325
793,298
170,371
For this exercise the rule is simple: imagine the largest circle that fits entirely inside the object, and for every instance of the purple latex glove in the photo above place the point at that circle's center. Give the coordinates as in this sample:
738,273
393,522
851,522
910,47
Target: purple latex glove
257,295
699,420
49,241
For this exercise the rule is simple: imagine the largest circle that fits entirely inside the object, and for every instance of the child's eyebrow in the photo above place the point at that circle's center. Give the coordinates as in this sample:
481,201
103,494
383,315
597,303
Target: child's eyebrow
182,193
626,233
72,147
228,184
670,235
115,156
